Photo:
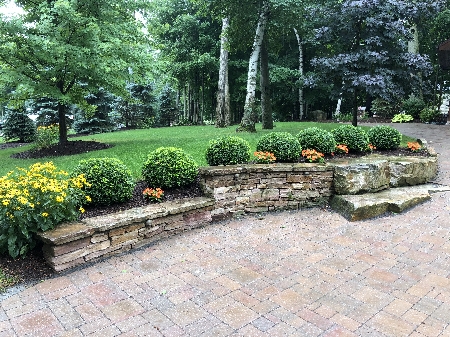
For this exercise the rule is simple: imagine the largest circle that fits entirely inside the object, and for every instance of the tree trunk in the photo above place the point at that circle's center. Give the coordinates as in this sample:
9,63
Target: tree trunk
355,108
62,123
266,106
300,70
250,115
221,108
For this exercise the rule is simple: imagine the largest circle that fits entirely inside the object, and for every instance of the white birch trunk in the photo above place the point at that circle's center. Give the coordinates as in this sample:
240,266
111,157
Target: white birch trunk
222,108
300,69
413,45
249,118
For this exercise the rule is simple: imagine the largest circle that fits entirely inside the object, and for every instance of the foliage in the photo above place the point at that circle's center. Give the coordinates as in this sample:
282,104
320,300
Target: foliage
414,146
354,137
413,106
110,180
385,109
313,156
283,145
6,281
35,200
264,157
64,50
169,167
153,194
400,118
101,120
18,125
46,136
167,113
428,114
384,137
229,150
341,148
318,139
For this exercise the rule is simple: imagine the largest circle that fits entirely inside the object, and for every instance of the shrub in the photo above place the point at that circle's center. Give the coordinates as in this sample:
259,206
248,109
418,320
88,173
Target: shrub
317,139
355,138
35,200
111,181
413,106
384,137
283,145
168,167
229,150
384,108
46,136
18,125
428,115
400,118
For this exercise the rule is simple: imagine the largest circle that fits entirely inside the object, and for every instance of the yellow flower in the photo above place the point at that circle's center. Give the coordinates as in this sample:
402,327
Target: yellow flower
82,210
88,198
59,198
5,202
45,214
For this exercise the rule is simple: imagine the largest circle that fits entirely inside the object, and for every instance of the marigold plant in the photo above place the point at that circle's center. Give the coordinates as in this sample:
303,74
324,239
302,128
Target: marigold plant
262,157
341,148
36,200
313,156
153,194
371,147
46,136
414,146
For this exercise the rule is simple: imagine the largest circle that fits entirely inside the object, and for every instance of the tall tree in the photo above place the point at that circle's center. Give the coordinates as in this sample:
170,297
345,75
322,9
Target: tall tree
65,49
367,50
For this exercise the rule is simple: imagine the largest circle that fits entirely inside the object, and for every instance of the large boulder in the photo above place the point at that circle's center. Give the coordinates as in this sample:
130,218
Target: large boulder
412,170
364,176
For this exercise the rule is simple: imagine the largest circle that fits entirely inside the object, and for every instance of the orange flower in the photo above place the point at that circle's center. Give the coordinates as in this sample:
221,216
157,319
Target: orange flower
414,146
341,148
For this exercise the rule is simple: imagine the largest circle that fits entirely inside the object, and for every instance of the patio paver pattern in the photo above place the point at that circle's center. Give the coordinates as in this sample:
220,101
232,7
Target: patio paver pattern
302,273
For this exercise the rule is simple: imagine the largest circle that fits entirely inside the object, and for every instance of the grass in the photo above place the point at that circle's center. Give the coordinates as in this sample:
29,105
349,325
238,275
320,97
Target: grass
133,146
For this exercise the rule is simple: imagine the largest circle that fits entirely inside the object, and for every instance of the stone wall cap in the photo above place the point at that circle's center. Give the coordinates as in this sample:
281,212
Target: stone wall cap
66,232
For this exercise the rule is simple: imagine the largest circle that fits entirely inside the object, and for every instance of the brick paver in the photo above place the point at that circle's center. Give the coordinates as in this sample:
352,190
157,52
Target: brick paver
303,273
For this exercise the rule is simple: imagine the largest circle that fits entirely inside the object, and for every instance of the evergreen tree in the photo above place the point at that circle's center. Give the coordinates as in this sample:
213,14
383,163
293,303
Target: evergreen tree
18,125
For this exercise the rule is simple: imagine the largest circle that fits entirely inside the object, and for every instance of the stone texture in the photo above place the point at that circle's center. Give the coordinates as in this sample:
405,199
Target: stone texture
412,170
66,232
356,177
365,206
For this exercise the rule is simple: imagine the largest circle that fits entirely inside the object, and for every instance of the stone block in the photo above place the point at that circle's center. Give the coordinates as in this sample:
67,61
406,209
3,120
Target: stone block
412,170
361,176
65,258
270,194
99,237
67,247
126,236
66,232
124,230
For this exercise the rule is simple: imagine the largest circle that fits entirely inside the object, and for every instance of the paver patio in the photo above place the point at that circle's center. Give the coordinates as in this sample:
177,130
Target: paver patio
303,273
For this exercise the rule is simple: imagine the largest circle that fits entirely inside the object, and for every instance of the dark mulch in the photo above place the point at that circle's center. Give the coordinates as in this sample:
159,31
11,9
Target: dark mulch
33,268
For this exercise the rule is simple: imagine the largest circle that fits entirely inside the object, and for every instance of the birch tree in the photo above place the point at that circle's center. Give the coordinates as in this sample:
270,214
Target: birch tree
223,95
250,114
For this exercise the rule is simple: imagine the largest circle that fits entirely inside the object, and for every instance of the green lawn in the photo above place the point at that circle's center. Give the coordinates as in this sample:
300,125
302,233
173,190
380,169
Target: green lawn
133,146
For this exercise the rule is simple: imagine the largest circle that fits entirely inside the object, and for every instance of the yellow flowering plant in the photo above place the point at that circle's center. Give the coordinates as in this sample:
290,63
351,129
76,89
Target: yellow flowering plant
36,200
46,136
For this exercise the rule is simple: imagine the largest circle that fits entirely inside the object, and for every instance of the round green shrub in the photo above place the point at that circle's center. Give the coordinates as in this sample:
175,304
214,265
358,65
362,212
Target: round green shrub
317,139
169,167
384,137
111,181
228,150
413,106
355,138
428,115
283,145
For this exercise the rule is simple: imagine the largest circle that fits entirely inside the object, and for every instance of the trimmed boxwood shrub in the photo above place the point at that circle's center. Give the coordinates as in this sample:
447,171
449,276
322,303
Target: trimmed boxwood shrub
169,167
228,150
283,145
355,138
317,139
111,181
384,137
413,106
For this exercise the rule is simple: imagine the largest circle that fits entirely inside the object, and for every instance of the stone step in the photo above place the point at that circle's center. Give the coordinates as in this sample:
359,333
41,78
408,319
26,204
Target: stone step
397,200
